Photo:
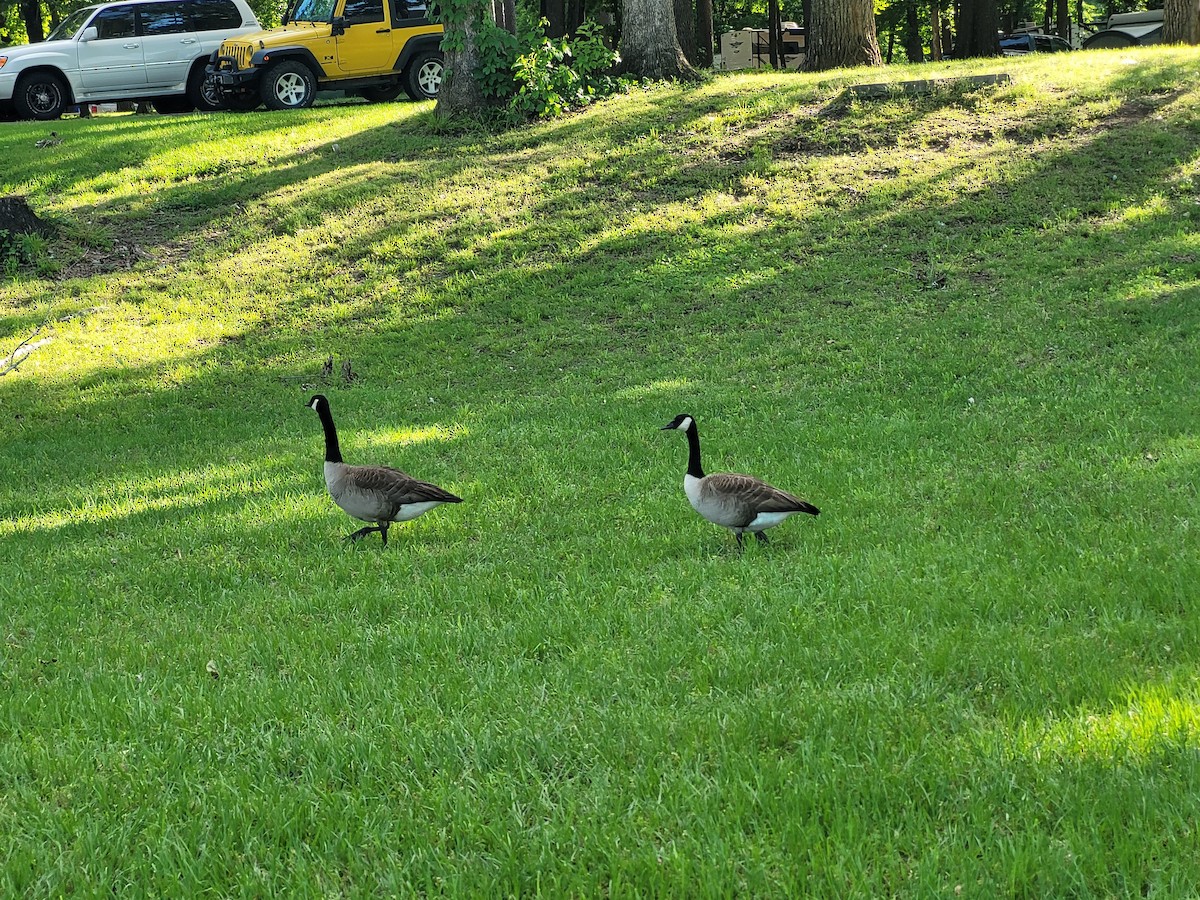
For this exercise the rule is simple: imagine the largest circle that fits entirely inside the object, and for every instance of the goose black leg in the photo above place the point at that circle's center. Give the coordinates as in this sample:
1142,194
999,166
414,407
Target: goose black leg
738,535
383,527
363,532
762,537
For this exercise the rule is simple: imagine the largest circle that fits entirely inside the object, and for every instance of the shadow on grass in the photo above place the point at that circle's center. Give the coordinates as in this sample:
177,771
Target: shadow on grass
689,302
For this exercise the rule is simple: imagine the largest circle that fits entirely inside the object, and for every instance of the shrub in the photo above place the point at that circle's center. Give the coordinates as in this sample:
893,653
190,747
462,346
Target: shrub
537,76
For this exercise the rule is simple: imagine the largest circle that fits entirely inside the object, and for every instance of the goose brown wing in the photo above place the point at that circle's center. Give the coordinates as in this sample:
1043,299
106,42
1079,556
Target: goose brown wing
756,496
399,488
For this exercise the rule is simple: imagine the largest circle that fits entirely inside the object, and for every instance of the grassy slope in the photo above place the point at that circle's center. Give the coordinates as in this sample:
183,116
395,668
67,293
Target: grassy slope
964,325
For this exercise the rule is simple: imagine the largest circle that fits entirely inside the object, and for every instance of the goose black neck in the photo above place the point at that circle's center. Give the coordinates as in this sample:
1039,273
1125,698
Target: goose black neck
693,437
333,453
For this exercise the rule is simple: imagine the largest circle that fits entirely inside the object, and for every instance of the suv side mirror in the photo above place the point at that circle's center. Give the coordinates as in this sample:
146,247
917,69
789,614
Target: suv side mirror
89,34
339,25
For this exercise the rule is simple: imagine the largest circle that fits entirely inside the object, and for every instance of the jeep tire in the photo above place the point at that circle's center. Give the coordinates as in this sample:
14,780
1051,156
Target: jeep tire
40,95
240,102
383,93
423,77
288,85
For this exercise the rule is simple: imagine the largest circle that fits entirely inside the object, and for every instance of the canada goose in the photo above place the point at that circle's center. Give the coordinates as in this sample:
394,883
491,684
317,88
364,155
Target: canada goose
740,503
376,494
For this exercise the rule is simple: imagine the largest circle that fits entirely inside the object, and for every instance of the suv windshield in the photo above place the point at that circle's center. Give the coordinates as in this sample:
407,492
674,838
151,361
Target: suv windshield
67,27
313,11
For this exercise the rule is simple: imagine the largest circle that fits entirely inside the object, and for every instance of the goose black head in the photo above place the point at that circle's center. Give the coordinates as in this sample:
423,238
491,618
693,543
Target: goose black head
317,401
682,422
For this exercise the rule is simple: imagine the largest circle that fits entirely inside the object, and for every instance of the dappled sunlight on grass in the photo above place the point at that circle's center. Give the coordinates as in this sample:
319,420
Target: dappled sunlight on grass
928,315
654,389
178,491
383,438
1156,720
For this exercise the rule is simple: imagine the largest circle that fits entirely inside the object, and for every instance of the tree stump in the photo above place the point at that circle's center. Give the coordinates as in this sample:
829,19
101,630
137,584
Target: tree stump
17,218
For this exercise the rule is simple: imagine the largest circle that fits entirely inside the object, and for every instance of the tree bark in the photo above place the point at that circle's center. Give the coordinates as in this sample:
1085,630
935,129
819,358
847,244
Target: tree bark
505,13
555,14
649,42
774,45
17,218
1181,22
683,27
978,29
460,93
704,33
575,15
1064,19
935,28
842,33
914,47
31,15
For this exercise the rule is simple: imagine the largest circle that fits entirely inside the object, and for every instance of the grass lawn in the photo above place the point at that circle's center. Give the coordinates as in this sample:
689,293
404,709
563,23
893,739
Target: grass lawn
966,325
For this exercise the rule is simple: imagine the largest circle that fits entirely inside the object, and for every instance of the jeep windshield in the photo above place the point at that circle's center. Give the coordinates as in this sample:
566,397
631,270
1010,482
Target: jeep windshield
313,11
71,24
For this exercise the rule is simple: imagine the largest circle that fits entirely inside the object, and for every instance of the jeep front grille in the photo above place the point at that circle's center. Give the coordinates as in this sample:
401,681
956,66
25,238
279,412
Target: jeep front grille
239,52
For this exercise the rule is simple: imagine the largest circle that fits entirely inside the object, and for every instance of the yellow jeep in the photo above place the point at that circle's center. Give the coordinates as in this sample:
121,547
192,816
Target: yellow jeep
376,48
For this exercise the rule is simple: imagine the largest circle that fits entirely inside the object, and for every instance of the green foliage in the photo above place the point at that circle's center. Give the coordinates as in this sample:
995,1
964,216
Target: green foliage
498,51
19,252
546,83
453,16
269,12
542,77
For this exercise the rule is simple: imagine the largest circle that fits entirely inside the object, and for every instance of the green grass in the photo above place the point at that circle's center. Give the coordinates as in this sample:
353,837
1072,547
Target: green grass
965,325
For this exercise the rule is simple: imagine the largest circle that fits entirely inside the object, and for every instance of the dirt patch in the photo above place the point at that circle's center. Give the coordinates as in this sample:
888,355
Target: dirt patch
120,257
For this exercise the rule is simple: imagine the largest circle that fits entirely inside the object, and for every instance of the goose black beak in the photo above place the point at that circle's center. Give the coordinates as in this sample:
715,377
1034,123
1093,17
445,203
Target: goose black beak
670,427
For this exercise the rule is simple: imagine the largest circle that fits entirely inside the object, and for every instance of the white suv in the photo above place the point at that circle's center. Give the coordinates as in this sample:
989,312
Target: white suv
129,50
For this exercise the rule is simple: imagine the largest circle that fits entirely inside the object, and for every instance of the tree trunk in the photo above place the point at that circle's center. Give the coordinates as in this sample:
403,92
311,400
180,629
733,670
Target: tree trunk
774,47
935,28
575,15
842,33
1064,19
1181,22
914,47
704,33
506,15
649,42
555,13
17,218
460,92
978,29
683,27
31,15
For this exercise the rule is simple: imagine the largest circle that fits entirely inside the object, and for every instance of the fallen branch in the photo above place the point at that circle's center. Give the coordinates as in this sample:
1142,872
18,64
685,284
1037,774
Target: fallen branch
14,359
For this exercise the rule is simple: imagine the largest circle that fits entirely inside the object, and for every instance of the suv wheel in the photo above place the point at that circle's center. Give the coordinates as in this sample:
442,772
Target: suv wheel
42,95
201,93
288,85
423,78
